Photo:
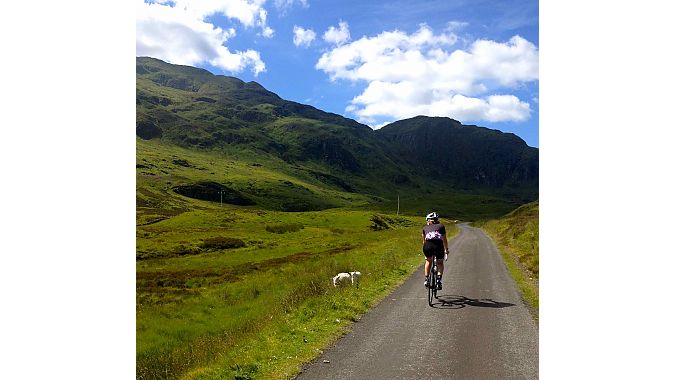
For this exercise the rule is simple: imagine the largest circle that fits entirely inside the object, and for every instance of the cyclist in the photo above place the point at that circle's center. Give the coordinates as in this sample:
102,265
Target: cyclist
435,244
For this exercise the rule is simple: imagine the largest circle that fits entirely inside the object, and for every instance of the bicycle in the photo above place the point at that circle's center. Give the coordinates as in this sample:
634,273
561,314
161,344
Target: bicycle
432,282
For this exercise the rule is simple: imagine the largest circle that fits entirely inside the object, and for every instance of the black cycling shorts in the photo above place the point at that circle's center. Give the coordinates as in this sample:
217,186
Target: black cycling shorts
434,248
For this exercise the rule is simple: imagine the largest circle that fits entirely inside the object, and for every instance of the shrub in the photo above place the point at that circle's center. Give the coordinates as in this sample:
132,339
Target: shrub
245,372
183,250
284,228
378,223
222,242
382,222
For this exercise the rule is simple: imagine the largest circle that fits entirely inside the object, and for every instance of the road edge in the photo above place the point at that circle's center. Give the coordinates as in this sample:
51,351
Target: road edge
528,291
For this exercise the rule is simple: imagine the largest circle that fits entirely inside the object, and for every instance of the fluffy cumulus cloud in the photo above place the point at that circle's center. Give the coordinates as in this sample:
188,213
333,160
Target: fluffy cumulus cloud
339,35
179,32
303,37
420,74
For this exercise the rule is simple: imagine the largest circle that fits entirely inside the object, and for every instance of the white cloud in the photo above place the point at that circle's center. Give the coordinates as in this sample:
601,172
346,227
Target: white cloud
337,36
378,126
302,36
372,58
284,5
178,32
268,32
417,74
452,26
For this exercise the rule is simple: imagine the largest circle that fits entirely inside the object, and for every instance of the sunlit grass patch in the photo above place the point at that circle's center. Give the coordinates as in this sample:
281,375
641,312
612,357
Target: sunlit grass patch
517,236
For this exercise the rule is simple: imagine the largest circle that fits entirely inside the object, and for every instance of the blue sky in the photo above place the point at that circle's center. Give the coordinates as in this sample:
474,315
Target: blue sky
372,61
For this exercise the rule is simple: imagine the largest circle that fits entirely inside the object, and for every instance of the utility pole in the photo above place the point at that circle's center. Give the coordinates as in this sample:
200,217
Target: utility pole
221,197
397,204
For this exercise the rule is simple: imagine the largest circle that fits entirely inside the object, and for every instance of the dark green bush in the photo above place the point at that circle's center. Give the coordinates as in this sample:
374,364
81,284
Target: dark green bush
183,250
379,223
222,242
284,228
382,222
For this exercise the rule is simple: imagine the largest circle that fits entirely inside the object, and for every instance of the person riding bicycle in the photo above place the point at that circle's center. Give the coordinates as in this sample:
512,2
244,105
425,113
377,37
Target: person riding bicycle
435,244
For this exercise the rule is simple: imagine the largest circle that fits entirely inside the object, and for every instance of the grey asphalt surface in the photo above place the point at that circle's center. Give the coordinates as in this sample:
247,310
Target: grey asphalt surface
479,327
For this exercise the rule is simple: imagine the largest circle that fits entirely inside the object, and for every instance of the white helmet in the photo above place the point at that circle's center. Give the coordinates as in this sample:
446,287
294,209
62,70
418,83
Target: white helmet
432,216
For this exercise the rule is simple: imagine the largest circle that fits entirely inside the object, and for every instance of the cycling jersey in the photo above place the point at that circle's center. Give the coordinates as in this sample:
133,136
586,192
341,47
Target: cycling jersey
434,234
434,231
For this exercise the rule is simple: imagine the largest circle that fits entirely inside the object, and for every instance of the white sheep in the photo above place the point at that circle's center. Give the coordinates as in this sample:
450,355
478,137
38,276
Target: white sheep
341,278
355,276
344,278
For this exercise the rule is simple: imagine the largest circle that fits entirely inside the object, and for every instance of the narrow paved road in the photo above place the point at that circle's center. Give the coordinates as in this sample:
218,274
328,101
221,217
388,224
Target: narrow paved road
478,329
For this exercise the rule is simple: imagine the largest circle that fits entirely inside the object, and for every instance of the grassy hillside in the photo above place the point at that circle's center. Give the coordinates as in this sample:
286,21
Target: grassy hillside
194,109
191,108
164,171
516,234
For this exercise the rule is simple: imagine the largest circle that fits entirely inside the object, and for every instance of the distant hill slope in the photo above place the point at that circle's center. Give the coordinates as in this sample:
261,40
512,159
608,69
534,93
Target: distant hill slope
194,109
468,156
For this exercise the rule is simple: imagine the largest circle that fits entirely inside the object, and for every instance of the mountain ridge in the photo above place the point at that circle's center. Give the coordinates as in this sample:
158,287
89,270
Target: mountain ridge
195,109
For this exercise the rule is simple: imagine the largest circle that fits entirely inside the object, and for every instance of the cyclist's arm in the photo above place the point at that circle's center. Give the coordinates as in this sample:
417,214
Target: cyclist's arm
445,244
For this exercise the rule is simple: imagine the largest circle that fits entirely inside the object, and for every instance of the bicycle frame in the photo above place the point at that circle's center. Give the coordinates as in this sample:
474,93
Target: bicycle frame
432,282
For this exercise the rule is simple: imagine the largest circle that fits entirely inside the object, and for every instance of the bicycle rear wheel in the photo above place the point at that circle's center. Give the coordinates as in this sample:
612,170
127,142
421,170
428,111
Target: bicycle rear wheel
430,288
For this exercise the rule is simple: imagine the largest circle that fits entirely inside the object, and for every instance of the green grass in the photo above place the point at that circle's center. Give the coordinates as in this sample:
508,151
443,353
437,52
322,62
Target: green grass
516,234
219,312
451,204
279,349
284,228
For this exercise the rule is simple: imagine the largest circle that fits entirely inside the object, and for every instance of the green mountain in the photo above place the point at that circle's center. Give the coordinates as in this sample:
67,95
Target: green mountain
466,156
290,156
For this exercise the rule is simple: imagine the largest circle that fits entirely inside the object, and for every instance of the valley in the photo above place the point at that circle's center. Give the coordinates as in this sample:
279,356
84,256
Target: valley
248,204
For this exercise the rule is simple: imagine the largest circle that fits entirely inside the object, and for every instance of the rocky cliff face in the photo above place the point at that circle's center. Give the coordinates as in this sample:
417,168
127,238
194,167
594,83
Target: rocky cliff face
468,155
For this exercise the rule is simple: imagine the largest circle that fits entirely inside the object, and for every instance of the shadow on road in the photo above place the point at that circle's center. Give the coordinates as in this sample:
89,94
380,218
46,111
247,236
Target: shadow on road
458,302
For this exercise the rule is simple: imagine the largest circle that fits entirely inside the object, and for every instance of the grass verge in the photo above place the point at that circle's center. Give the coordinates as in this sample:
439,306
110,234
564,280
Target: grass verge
516,235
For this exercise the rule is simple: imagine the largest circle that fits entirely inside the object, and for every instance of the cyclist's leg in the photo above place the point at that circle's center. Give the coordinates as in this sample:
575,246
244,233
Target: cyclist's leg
439,254
429,254
428,265
440,266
